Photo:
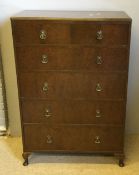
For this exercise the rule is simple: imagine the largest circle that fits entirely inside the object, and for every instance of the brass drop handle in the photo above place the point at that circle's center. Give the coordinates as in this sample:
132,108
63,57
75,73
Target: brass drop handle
99,35
47,113
45,87
49,139
44,59
98,87
97,140
98,113
99,60
43,34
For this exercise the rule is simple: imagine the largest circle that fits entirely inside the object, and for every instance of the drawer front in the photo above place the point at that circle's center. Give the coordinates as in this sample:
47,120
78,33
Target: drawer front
40,32
101,34
54,32
73,112
71,58
72,85
72,138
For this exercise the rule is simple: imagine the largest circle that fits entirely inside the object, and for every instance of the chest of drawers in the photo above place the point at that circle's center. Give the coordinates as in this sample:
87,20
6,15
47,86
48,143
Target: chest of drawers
72,71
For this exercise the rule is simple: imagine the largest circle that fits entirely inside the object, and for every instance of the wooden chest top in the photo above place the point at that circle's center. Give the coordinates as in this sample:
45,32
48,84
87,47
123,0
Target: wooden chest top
73,15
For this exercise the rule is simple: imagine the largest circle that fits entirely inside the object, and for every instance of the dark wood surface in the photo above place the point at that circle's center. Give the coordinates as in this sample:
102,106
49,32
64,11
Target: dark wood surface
74,138
72,58
73,111
73,15
66,112
70,33
72,85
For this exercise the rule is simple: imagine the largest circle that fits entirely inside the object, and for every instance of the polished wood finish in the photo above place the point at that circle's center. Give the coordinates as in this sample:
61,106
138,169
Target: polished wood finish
72,58
72,71
73,111
72,85
69,33
69,137
72,15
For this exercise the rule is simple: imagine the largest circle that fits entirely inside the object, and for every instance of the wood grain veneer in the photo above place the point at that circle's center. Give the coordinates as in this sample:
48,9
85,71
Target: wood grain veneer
72,72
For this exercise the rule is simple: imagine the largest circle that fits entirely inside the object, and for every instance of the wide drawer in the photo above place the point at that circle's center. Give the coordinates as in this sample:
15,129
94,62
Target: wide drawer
71,58
86,138
72,85
69,32
73,112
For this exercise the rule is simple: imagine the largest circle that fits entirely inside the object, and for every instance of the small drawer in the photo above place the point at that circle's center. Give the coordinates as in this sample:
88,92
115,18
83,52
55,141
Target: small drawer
73,112
71,58
40,32
100,34
73,85
85,138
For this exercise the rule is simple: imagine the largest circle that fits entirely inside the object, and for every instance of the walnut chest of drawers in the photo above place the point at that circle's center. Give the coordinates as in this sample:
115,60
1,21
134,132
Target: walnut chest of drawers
72,72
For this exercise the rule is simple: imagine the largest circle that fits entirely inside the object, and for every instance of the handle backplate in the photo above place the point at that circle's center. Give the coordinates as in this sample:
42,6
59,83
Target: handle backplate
44,59
97,140
99,60
98,113
49,139
98,87
45,87
47,113
43,35
99,35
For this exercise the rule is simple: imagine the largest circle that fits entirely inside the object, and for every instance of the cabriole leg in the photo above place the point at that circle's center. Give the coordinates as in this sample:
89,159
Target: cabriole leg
121,162
25,157
121,157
